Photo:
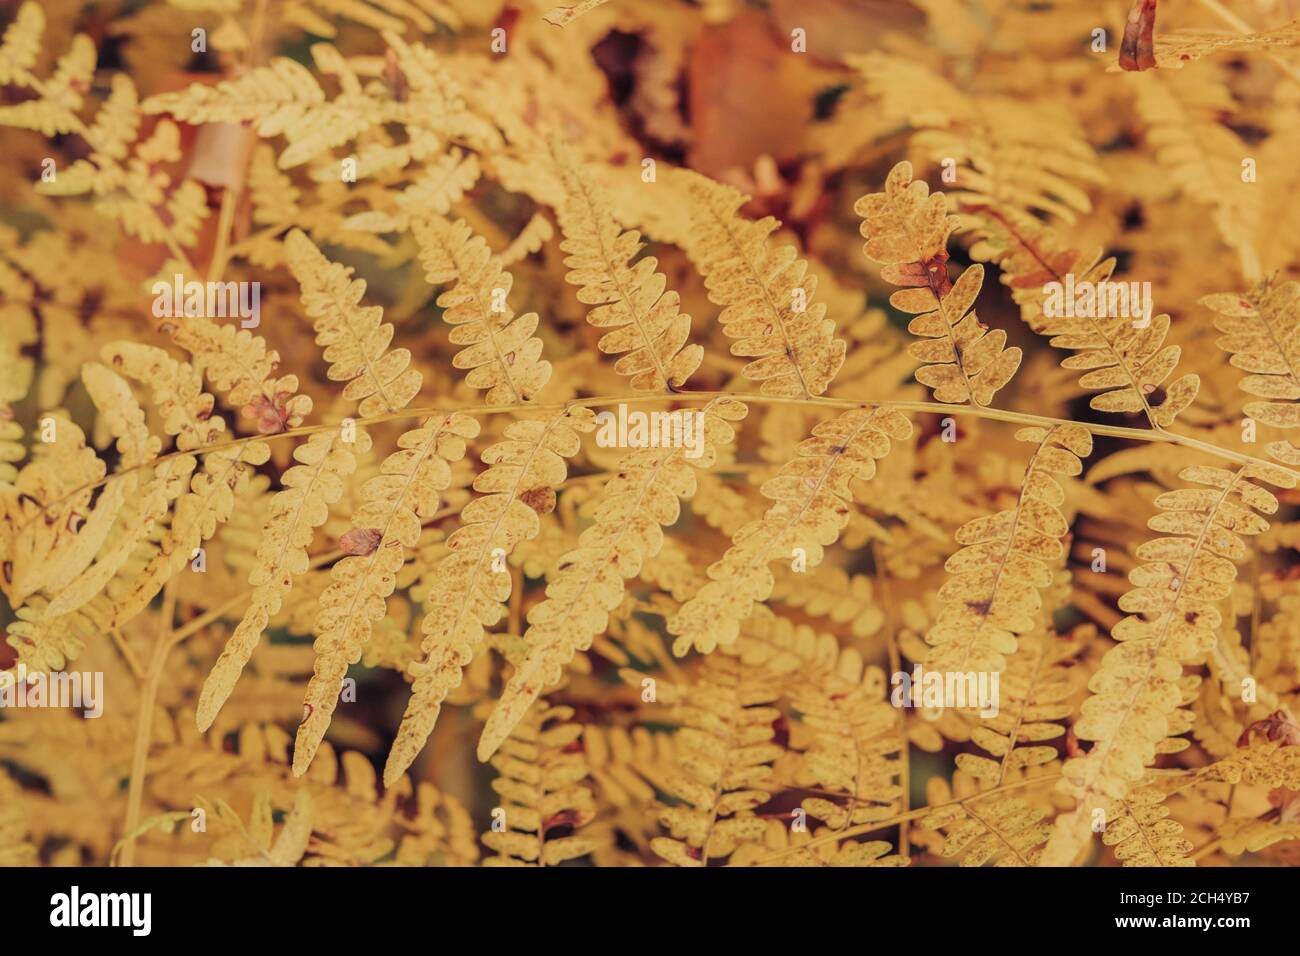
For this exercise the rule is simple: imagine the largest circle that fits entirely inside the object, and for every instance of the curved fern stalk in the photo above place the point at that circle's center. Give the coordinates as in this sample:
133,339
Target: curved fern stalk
1173,620
186,411
500,350
544,785
1262,334
813,498
406,492
630,514
629,298
355,340
1125,359
473,581
992,591
766,294
723,766
907,231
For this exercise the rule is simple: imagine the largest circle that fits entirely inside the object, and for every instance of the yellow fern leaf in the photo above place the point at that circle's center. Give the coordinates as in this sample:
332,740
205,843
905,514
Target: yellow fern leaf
813,499
309,488
1262,334
629,297
907,231
406,492
766,294
21,45
239,365
543,785
992,591
629,516
355,337
1173,620
723,770
501,351
473,580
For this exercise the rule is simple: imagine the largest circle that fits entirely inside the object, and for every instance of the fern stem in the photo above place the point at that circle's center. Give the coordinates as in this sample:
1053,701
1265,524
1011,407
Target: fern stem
144,720
935,408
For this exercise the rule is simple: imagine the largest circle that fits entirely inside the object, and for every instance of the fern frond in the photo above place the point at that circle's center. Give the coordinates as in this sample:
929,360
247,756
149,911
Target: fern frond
992,591
1173,620
500,350
241,366
629,516
543,785
1036,688
529,239
39,508
21,46
439,187
813,499
725,749
1182,111
1126,358
1004,830
649,333
907,231
1008,152
1143,834
177,392
1262,334
355,337
281,99
406,492
473,580
206,506
854,747
835,594
60,97
766,294
308,489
